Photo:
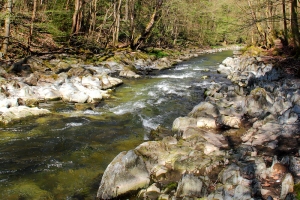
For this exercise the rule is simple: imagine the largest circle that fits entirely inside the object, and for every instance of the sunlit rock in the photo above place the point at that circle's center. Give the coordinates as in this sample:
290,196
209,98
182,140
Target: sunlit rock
91,82
129,74
109,82
127,172
205,122
224,69
229,121
242,192
182,123
78,97
189,186
204,109
287,185
48,93
15,113
152,192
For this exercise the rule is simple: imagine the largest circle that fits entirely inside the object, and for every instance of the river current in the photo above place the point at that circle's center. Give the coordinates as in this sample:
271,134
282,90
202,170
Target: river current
63,155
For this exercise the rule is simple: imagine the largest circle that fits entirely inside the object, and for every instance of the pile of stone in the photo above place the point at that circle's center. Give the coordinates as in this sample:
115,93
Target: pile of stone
199,160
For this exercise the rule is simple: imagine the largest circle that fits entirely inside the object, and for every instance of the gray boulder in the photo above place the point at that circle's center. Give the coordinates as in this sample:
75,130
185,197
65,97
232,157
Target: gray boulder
127,172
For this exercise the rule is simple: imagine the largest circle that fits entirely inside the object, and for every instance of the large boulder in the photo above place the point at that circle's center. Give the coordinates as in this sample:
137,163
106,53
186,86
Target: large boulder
127,172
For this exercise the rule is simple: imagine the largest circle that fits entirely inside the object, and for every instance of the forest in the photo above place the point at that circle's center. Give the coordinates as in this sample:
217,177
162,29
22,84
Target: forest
44,26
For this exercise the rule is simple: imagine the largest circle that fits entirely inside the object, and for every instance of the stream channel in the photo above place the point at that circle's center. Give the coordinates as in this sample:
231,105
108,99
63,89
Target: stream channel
63,155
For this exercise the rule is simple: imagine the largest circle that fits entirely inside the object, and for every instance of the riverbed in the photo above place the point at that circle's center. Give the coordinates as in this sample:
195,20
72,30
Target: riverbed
63,155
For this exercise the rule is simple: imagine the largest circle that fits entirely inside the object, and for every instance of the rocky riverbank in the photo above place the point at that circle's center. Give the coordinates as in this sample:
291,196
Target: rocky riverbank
77,79
242,142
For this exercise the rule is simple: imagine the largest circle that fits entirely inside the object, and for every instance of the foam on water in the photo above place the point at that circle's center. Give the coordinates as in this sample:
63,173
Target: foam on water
91,112
181,67
177,76
73,124
149,123
128,107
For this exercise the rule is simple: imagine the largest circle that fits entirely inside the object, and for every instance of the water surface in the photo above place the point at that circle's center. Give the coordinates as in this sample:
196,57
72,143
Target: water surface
63,155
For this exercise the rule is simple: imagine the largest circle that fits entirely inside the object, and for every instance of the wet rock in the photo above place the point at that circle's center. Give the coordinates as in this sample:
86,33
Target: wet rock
127,172
84,106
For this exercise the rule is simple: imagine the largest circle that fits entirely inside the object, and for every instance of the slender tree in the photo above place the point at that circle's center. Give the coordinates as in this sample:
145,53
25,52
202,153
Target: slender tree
285,29
7,26
32,23
294,24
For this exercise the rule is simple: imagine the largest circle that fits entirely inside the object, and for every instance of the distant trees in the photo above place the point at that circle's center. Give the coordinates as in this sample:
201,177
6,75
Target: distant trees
85,24
271,19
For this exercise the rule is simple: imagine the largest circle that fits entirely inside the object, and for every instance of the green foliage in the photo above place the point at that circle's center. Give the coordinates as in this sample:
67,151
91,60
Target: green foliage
58,35
158,53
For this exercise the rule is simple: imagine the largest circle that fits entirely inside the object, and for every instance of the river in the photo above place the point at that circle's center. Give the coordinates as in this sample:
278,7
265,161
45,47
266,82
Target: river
63,155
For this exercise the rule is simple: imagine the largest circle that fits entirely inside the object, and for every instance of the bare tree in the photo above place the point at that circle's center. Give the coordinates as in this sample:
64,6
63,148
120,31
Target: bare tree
32,23
7,26
285,29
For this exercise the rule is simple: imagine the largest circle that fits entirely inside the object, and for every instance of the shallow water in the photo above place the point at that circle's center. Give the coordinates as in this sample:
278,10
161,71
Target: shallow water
63,155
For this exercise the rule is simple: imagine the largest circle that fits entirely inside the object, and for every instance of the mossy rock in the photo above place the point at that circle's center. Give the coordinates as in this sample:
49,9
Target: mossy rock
29,191
159,133
84,106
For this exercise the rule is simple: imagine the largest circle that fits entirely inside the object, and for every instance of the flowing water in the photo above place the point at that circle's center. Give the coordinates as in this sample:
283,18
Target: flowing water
63,155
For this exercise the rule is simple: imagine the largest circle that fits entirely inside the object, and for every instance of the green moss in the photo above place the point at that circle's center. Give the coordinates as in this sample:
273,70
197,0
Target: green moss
253,51
171,186
158,53
27,190
297,190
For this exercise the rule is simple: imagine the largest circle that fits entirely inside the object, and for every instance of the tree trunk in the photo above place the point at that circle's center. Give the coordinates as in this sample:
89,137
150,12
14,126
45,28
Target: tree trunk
126,10
131,10
143,36
77,17
116,26
7,27
294,24
100,28
285,30
93,11
32,23
257,23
